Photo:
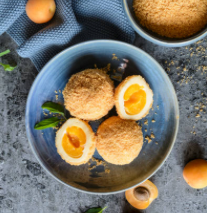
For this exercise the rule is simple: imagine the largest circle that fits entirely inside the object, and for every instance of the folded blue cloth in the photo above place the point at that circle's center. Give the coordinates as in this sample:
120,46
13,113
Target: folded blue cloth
75,21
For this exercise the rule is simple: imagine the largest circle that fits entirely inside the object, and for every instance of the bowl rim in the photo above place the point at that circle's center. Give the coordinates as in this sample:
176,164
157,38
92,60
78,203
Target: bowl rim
44,70
159,41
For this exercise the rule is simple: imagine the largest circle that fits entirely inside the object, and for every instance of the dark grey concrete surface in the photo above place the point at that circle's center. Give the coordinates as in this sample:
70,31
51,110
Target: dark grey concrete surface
26,188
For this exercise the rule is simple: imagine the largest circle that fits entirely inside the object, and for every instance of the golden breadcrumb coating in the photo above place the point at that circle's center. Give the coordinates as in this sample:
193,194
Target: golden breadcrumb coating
119,141
89,94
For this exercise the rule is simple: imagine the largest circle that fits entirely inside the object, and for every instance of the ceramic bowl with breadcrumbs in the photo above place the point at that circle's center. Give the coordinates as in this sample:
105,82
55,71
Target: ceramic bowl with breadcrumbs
168,23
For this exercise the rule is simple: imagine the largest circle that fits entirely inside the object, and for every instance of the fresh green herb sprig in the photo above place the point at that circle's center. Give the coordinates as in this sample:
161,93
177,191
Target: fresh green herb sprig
96,210
6,67
54,121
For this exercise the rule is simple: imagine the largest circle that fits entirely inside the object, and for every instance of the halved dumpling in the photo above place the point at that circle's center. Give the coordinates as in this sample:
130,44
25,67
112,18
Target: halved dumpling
133,98
75,141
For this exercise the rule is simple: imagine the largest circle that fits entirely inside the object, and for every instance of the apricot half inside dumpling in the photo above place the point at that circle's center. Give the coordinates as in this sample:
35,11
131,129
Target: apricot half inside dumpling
133,98
142,196
75,141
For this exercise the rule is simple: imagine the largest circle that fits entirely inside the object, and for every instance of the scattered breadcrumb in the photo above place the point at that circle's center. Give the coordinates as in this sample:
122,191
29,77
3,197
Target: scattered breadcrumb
148,139
197,116
56,91
116,77
56,97
107,68
114,57
98,162
156,143
153,120
92,167
146,122
152,135
185,69
198,42
107,171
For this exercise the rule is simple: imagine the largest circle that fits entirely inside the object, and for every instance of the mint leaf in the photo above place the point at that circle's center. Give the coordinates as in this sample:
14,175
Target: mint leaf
95,210
47,123
102,210
7,67
4,53
53,107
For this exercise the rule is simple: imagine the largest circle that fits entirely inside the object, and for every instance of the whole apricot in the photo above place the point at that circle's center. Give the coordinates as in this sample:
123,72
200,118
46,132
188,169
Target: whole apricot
40,11
195,173
142,196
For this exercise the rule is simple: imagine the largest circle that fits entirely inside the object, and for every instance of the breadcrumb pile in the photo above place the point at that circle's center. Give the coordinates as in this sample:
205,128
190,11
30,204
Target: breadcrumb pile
172,18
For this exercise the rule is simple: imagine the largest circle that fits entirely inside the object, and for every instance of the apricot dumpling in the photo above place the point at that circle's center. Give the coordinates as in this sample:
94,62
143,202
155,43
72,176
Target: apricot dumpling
75,141
133,98
142,196
195,173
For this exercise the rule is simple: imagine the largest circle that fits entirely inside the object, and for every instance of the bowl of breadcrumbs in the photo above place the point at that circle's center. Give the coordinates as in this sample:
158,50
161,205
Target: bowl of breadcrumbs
170,23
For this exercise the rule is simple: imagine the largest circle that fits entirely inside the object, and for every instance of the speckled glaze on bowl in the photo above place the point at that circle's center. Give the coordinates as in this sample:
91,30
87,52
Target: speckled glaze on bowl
55,75
154,37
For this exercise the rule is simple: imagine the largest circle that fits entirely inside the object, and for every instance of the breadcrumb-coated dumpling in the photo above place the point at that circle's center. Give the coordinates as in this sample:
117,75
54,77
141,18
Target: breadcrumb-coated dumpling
75,141
133,98
89,94
119,141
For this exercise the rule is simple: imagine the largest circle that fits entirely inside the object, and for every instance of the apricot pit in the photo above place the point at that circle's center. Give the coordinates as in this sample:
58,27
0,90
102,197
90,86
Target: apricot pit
142,196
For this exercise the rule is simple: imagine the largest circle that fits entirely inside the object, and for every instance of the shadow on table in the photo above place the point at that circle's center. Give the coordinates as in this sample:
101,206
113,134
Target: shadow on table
193,151
130,209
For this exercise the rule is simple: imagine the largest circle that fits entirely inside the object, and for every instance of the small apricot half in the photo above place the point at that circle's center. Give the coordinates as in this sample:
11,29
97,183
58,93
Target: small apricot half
40,11
195,173
142,196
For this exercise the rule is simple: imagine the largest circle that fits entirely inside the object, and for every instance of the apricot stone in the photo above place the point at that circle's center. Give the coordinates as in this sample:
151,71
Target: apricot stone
142,196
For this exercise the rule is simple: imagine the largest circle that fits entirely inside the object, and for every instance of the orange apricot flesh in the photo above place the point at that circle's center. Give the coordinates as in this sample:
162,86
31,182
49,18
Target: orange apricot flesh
195,173
40,11
142,196
73,141
134,99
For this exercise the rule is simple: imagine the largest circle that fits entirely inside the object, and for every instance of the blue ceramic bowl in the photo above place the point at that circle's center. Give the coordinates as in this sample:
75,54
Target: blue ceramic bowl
54,77
155,38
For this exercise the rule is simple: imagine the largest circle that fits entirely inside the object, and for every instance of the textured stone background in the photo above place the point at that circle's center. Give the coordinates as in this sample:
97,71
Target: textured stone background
26,188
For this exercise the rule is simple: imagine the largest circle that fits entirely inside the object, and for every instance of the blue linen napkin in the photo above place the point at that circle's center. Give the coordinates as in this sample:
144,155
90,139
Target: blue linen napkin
75,21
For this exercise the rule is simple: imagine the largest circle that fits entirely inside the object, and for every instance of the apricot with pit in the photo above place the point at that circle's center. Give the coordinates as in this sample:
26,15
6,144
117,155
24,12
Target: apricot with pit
40,11
195,173
142,196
